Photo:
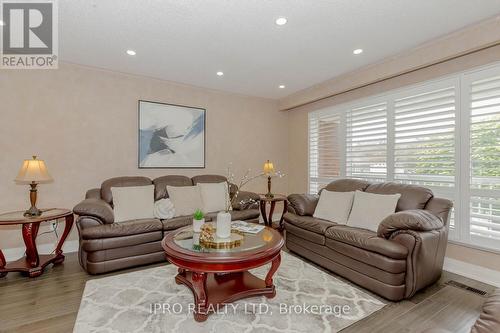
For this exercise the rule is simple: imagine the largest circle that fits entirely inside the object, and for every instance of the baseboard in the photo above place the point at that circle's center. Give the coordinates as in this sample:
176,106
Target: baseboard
471,271
16,253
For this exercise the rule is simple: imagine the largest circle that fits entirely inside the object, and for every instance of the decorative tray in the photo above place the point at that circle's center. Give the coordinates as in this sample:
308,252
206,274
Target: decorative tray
208,238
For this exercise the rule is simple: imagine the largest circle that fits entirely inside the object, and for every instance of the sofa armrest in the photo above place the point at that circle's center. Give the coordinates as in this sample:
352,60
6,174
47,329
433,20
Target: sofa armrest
417,220
95,208
303,204
245,200
94,193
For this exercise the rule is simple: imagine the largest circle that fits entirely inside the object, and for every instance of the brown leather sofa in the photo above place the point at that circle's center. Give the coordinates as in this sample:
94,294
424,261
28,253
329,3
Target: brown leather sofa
107,246
489,318
404,256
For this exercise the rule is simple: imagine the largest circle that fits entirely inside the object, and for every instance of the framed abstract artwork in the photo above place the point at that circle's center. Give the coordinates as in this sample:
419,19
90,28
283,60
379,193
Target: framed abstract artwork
171,136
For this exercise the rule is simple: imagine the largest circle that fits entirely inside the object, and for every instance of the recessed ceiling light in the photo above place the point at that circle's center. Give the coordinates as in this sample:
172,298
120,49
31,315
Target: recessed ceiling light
358,51
220,73
131,52
281,21
282,86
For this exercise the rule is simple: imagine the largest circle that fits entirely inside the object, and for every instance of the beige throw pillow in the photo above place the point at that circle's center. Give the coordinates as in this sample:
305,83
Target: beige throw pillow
133,202
186,199
213,196
369,209
334,206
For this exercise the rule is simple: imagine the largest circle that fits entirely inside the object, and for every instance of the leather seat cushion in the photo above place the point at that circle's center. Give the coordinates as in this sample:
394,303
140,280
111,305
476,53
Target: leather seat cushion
412,196
124,252
367,240
310,223
177,222
298,233
489,319
127,228
90,245
245,214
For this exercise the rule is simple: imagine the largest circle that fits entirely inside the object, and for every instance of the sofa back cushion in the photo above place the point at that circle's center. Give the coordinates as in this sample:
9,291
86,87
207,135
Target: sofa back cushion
412,196
208,179
369,209
186,199
173,180
347,185
106,186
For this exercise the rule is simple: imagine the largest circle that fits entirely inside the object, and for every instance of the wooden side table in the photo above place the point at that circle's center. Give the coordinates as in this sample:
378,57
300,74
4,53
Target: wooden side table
32,263
268,220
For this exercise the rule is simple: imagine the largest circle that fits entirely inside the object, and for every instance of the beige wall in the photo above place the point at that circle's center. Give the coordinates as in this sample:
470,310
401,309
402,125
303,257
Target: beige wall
297,124
83,123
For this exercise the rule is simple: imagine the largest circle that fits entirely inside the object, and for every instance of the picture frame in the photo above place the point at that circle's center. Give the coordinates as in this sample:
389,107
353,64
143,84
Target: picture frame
171,136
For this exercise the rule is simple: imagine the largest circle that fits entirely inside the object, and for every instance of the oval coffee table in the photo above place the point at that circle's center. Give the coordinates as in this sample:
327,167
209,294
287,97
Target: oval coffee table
220,276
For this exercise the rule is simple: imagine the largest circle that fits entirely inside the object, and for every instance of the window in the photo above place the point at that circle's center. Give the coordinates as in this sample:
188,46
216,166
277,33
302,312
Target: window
444,135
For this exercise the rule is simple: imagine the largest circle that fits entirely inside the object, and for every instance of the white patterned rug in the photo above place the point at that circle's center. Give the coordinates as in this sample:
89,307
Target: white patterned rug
307,300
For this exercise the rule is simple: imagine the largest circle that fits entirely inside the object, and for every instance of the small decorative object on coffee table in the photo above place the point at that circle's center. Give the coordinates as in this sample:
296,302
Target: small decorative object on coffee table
33,172
33,264
268,219
198,220
220,276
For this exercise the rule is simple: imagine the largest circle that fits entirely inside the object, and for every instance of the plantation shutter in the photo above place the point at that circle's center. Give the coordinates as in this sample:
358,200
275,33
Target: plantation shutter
424,138
324,149
484,132
366,142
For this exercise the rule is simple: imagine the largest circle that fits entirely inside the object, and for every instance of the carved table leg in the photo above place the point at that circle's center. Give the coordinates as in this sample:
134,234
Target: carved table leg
2,264
200,296
263,211
271,212
30,231
269,277
68,223
285,208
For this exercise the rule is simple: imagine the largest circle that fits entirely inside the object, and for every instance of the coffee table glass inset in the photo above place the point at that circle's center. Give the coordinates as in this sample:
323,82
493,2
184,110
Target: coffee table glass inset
220,276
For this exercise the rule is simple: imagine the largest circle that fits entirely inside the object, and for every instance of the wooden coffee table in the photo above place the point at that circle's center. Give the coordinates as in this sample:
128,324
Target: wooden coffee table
220,276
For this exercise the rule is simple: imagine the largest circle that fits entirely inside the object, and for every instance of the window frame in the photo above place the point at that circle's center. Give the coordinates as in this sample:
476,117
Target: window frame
461,192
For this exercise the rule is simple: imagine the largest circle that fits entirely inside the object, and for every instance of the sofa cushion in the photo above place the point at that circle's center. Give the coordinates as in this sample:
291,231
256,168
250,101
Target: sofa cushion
369,209
186,199
208,179
412,196
368,240
214,196
106,186
126,228
347,185
303,204
91,245
133,202
162,182
334,206
489,319
246,214
310,223
177,222
303,234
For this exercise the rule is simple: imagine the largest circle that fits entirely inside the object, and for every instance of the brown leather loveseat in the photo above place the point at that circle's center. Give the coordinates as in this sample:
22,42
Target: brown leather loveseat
404,256
107,246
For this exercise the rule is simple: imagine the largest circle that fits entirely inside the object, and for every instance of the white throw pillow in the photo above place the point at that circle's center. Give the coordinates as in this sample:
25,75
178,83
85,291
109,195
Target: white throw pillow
334,206
133,202
369,209
164,209
186,199
213,196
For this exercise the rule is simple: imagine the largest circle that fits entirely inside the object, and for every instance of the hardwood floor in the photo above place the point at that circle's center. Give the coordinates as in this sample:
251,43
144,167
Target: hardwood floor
50,303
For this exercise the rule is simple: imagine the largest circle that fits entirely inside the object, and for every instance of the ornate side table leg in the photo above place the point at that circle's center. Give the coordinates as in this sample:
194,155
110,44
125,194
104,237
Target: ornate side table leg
263,211
285,209
200,296
269,277
2,264
68,224
271,212
30,231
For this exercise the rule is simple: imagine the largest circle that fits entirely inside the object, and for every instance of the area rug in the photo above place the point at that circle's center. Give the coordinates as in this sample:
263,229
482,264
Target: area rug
307,300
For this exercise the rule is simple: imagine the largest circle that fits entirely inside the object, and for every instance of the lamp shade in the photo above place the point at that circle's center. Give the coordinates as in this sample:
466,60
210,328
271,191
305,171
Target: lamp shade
33,170
268,167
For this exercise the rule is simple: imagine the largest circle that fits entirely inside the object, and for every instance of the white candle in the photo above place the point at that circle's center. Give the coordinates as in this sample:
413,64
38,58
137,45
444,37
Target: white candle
223,225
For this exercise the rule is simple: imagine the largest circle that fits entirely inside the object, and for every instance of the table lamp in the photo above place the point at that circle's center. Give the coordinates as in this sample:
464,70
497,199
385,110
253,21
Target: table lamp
33,172
268,171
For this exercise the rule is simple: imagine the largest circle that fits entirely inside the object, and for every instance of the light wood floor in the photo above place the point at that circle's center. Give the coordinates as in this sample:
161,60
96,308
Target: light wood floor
50,304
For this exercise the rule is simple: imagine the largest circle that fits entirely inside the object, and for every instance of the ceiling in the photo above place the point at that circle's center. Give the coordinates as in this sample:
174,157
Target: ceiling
188,41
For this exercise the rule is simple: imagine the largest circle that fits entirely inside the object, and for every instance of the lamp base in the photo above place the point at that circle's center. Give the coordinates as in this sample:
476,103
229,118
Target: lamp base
32,212
269,195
